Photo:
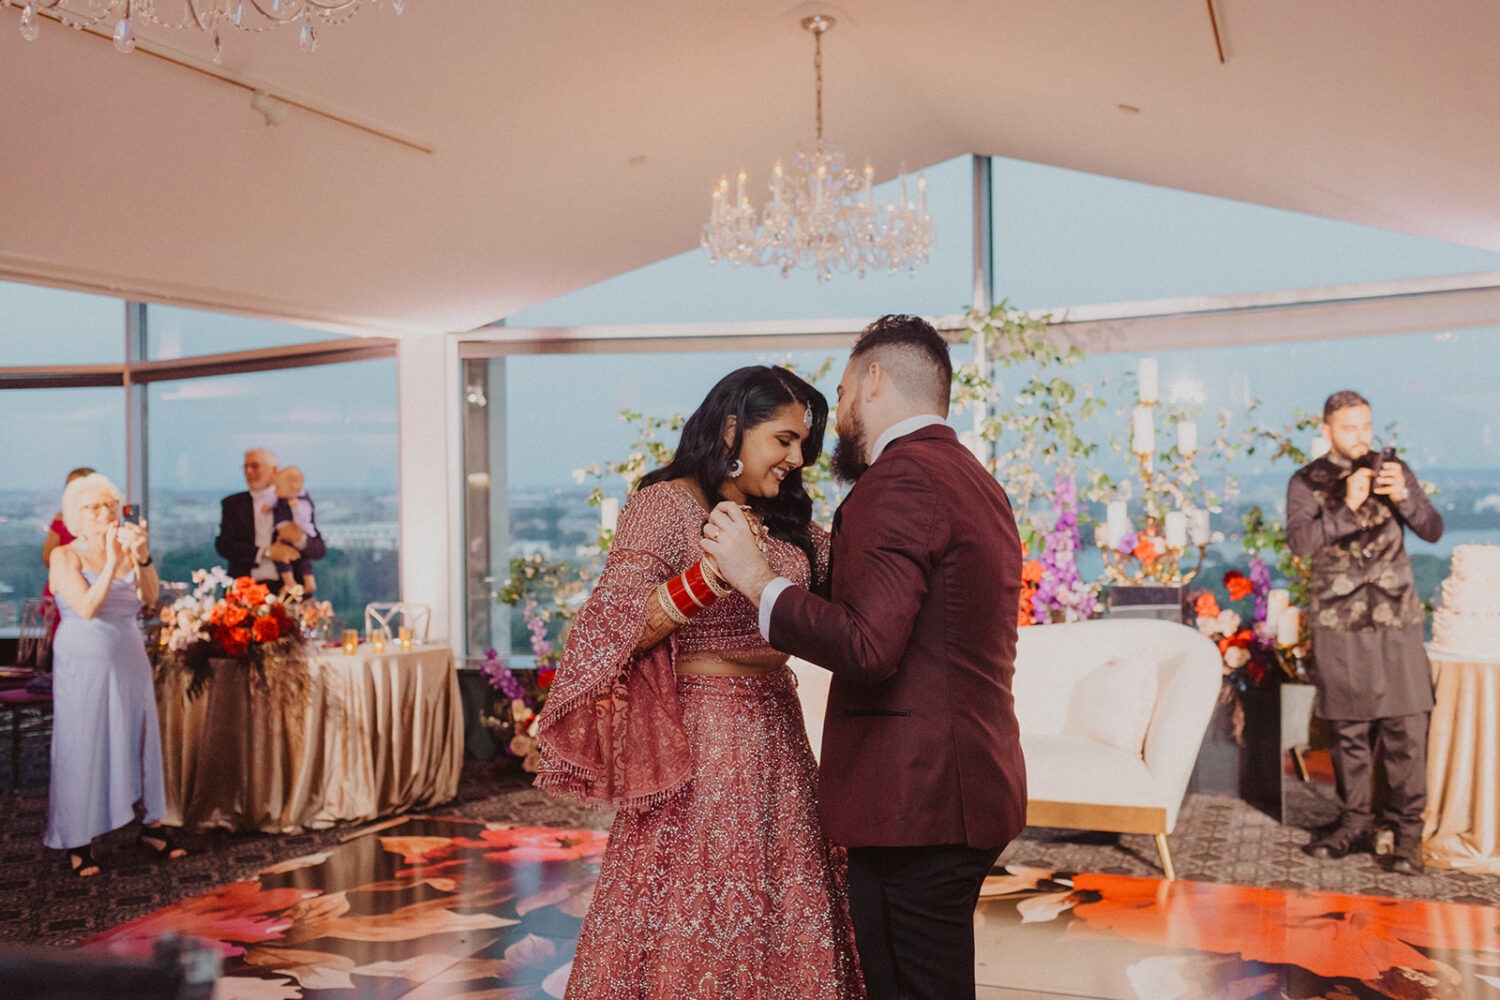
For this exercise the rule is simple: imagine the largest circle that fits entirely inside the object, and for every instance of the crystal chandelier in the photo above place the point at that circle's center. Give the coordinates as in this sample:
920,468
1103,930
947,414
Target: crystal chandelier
821,214
210,17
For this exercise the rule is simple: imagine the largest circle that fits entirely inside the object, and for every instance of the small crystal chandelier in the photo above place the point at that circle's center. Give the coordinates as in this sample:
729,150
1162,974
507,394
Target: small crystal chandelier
821,214
210,17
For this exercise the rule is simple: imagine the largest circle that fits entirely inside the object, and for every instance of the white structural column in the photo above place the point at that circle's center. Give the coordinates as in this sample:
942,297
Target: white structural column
424,399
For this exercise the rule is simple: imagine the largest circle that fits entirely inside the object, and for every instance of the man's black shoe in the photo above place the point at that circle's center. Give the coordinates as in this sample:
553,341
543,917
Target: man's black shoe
1407,858
1344,840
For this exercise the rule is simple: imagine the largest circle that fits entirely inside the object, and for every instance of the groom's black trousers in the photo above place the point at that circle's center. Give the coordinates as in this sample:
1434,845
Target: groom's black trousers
913,912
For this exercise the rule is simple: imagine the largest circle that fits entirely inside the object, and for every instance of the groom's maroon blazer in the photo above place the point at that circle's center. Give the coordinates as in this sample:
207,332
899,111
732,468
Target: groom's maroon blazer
920,743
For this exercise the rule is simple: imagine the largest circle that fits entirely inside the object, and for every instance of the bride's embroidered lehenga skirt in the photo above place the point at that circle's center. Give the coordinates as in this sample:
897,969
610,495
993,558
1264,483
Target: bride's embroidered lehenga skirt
726,891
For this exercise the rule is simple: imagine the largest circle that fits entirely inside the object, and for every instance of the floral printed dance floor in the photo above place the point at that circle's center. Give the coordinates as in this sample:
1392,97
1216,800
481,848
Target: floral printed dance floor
442,909
430,909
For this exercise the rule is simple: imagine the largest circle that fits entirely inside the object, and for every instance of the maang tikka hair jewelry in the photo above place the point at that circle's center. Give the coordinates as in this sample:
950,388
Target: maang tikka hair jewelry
807,417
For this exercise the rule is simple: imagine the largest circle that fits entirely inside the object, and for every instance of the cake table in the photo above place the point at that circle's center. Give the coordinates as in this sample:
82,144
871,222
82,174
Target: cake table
1461,825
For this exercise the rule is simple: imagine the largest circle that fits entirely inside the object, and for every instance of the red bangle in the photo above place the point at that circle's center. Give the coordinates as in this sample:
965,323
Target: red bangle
689,591
697,585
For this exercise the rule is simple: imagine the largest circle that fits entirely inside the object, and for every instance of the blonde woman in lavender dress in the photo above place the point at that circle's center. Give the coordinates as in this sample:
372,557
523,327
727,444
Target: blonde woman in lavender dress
717,883
106,743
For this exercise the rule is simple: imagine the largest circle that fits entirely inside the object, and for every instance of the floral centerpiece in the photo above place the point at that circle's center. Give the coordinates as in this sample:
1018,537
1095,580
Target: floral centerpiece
1052,589
517,717
1260,636
237,619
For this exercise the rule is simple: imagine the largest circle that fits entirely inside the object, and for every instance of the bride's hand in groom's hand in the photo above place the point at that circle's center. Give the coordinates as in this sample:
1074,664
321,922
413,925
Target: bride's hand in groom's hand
730,540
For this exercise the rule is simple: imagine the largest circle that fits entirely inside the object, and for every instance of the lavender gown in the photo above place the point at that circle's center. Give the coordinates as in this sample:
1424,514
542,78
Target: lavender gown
106,743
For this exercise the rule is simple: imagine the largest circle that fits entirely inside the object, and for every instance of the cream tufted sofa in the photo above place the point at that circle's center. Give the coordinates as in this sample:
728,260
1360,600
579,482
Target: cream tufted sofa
1112,713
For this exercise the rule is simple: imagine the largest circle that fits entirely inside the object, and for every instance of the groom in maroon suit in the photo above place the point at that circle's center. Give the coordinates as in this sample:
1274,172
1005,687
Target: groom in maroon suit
922,778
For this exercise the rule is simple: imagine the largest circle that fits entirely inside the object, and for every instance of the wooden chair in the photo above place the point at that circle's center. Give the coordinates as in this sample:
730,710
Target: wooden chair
30,711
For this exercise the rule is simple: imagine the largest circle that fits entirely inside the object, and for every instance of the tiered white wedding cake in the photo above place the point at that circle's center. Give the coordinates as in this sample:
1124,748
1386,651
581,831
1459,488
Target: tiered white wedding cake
1468,620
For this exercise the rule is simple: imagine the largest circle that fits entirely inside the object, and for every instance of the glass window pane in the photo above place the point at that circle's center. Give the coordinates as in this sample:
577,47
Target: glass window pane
48,326
1431,394
525,442
689,287
180,333
335,422
48,433
1065,238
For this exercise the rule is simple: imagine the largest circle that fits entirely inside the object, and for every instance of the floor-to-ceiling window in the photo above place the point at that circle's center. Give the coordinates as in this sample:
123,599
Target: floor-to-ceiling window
180,445
1061,239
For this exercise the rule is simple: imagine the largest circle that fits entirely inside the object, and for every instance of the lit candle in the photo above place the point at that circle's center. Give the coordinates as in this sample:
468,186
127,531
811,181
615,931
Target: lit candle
1146,382
1116,522
377,640
1143,434
739,197
921,194
1176,527
403,636
351,640
609,513
869,177
1289,627
1198,530
776,184
1277,602
1187,437
818,184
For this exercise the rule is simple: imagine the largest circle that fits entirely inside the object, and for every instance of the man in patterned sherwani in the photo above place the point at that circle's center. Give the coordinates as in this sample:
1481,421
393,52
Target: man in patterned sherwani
1347,513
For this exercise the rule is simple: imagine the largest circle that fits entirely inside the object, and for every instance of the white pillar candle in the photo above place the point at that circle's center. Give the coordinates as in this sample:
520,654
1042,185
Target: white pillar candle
1187,437
1277,601
1143,434
1116,522
1289,627
1176,528
609,513
1198,530
1147,387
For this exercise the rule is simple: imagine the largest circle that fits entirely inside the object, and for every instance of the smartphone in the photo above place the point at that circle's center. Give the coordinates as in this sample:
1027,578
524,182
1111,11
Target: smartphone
1387,454
130,513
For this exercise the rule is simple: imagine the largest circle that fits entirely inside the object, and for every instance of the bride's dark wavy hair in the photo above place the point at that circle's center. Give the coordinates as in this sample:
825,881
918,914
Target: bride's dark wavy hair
751,395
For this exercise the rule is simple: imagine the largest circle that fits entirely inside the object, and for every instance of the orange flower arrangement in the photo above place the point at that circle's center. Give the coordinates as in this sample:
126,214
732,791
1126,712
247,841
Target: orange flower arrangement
247,623
1032,572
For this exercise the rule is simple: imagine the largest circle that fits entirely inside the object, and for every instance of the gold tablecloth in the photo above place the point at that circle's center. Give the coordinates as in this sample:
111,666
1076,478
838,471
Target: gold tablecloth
378,733
1461,826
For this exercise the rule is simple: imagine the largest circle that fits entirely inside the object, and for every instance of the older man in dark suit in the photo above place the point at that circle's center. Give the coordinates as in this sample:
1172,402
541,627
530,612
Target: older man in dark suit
922,777
246,524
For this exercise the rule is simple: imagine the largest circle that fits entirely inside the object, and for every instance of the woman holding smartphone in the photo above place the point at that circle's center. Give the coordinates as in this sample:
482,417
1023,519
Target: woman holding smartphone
106,742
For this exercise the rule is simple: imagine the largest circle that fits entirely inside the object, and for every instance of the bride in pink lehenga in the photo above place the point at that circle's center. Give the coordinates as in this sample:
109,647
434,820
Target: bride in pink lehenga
717,883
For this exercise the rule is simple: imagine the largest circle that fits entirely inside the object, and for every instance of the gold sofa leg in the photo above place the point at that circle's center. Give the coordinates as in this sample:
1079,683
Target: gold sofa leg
1166,857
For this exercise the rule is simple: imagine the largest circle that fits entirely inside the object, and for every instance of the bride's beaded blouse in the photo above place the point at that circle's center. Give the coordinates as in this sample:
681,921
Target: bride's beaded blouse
665,522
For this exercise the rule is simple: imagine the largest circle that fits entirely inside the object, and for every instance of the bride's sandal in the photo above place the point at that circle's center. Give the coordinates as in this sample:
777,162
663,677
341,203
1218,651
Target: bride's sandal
81,862
160,842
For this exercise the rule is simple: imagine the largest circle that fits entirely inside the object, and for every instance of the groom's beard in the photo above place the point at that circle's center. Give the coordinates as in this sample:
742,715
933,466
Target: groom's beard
848,458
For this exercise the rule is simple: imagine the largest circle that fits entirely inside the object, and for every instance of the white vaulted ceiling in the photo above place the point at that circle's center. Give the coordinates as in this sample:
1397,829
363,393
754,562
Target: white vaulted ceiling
572,141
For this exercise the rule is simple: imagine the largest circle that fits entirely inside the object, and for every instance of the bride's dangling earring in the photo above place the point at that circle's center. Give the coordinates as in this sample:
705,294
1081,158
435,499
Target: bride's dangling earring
736,469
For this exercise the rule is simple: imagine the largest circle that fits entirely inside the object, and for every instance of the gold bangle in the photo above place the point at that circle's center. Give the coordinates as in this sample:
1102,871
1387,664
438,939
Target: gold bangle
664,598
721,588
